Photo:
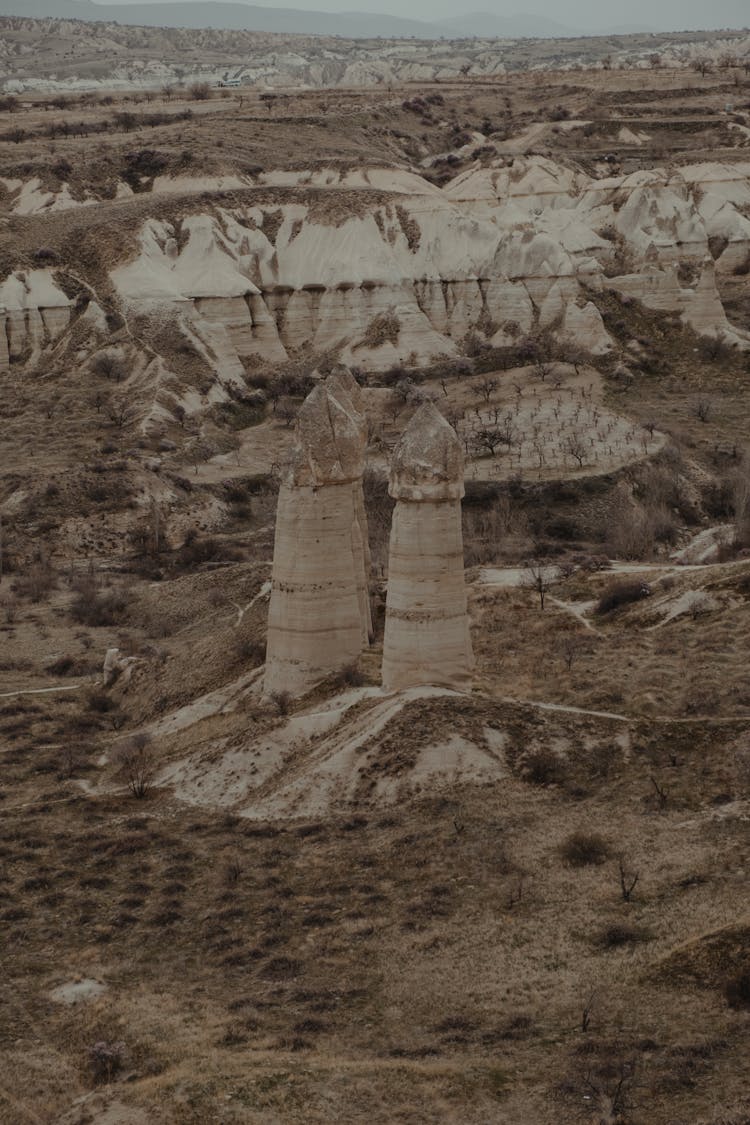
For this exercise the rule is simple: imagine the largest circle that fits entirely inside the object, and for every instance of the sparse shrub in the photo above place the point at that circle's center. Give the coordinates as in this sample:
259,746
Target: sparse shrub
350,675
737,992
232,872
106,1060
37,582
251,651
584,849
198,550
100,702
99,608
619,934
382,329
714,349
543,767
69,666
137,764
621,594
44,254
10,608
742,769
200,91
142,166
282,701
109,365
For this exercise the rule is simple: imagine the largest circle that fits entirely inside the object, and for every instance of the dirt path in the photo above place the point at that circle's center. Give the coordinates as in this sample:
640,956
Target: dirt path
519,144
44,690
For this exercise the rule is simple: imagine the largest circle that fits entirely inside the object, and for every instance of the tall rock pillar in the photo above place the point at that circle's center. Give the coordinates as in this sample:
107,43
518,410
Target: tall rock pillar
345,389
315,624
427,637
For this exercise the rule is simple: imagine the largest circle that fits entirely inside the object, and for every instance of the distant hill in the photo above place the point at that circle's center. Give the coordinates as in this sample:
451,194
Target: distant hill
227,16
487,25
224,15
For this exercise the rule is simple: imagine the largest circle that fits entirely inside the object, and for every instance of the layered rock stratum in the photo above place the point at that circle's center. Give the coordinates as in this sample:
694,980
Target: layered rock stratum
317,620
427,637
382,267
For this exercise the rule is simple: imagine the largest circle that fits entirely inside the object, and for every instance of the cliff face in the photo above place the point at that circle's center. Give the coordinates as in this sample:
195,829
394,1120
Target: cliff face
402,278
385,268
33,312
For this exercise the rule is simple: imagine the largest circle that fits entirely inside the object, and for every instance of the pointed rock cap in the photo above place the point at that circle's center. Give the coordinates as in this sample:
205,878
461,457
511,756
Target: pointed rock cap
347,391
428,462
341,379
329,447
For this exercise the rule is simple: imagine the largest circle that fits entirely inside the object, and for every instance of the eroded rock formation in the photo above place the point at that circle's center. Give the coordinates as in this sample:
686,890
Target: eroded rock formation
405,270
315,617
33,311
344,388
427,627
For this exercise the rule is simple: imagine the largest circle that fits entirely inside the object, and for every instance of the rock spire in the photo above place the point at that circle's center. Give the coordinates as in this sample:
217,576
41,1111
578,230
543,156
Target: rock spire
342,385
315,617
427,627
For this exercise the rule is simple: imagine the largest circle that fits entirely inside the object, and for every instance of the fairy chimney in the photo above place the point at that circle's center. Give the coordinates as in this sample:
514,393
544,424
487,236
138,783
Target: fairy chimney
347,392
427,637
315,624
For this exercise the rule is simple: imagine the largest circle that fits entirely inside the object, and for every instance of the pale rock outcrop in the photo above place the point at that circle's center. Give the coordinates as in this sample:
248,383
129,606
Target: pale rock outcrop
315,623
700,307
403,277
703,309
427,637
34,312
117,668
342,385
584,327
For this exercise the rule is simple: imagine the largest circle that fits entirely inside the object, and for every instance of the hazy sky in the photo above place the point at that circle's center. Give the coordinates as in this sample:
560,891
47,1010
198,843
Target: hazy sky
583,14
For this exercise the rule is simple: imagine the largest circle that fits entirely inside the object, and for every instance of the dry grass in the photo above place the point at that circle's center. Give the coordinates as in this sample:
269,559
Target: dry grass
634,663
430,960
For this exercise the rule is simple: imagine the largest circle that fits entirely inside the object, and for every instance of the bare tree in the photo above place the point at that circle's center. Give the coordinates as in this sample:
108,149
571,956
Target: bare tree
287,411
702,65
121,412
137,764
576,447
628,880
570,647
610,1087
488,439
486,387
540,576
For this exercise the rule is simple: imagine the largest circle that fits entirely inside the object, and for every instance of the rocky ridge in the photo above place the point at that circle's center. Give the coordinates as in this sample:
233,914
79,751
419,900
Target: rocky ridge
331,261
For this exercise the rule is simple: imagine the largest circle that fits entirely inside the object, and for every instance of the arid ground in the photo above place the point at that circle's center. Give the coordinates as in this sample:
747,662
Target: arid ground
523,905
